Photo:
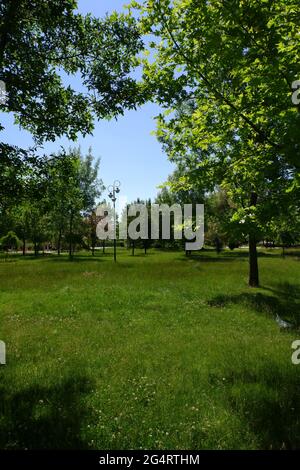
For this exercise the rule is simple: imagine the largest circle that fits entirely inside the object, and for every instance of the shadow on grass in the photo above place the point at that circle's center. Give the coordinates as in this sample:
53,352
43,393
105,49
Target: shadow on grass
141,255
206,259
44,418
78,259
64,258
268,401
282,300
54,257
224,256
293,254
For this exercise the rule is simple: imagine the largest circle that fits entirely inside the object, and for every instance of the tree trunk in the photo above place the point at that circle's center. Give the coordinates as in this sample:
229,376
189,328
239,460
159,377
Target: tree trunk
133,248
24,247
59,243
70,236
253,262
103,247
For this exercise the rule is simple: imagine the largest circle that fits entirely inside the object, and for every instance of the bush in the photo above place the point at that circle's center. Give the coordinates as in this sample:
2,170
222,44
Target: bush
10,241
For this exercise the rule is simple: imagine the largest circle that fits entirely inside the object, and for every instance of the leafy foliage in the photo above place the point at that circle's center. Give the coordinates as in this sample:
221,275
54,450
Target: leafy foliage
224,71
42,43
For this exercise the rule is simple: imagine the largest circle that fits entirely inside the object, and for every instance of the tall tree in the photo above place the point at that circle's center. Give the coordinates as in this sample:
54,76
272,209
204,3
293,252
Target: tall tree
228,68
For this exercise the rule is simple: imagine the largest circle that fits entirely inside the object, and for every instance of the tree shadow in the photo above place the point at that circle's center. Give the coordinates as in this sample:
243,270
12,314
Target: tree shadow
268,400
53,257
77,259
285,289
293,254
224,256
140,255
204,256
245,254
44,418
282,300
206,259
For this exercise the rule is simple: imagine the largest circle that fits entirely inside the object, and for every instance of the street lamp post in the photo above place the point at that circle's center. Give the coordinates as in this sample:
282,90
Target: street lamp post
113,190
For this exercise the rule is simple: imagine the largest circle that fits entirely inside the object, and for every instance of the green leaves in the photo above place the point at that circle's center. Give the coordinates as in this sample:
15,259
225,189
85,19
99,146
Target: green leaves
41,41
224,73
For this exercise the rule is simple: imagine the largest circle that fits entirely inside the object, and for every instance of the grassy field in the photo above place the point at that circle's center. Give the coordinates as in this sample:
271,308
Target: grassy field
160,352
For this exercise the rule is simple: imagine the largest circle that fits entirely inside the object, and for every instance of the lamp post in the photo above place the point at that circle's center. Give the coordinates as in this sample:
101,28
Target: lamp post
113,190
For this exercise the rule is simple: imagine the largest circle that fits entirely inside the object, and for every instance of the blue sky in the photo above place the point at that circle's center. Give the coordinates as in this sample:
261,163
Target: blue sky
128,151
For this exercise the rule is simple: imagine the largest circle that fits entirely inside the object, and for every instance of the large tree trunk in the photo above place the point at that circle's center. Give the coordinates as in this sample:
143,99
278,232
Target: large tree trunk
253,262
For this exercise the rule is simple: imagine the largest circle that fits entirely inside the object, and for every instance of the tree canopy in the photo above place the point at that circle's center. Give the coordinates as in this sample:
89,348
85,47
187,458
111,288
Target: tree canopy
225,72
43,43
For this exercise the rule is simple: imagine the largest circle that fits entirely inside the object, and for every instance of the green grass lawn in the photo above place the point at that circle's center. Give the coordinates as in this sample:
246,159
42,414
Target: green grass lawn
160,352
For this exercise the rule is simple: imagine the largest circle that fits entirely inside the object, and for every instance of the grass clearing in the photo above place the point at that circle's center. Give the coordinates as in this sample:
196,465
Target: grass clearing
160,352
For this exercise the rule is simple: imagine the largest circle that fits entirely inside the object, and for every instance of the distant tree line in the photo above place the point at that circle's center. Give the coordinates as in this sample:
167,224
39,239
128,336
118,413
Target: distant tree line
50,202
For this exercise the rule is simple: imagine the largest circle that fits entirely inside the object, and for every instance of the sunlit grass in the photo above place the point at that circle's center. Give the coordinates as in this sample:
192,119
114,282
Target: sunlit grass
162,351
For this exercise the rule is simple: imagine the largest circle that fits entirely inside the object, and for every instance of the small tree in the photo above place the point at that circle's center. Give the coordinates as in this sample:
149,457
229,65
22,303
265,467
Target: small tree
10,241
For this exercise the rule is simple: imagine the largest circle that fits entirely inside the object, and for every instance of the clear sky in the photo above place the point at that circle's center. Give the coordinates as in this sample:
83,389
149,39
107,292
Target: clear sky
128,151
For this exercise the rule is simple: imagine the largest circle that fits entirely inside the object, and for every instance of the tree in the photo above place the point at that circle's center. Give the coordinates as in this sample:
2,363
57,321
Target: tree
22,218
91,222
72,189
41,40
126,220
91,186
41,45
38,223
285,229
227,68
57,197
10,241
21,185
173,192
220,229
15,166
